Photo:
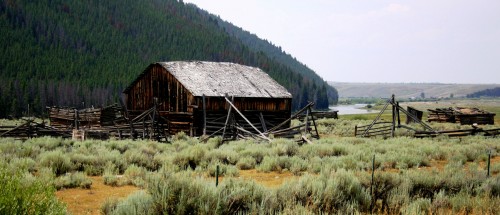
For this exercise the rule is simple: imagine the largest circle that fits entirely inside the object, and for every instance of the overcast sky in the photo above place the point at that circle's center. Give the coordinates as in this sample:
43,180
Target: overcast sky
446,41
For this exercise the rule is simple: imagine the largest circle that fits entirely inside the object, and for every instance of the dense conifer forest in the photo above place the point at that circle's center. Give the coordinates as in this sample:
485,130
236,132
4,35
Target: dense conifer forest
84,53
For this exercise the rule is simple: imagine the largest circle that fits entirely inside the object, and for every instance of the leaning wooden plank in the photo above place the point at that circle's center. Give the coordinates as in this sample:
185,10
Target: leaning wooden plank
287,129
407,127
142,115
380,126
379,134
305,139
238,111
227,121
15,128
377,123
247,132
371,133
376,119
287,133
292,117
211,135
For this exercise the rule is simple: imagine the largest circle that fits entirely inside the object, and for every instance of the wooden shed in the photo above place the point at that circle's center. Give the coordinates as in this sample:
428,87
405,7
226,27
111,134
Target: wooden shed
191,95
462,115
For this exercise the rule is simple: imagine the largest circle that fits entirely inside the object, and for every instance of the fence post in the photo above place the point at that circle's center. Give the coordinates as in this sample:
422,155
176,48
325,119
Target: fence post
489,158
371,184
217,176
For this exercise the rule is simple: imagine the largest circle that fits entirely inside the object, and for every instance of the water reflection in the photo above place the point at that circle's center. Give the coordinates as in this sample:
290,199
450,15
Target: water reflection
351,109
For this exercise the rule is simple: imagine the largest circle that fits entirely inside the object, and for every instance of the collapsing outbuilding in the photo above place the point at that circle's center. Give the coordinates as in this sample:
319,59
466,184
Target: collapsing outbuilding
196,97
95,118
464,116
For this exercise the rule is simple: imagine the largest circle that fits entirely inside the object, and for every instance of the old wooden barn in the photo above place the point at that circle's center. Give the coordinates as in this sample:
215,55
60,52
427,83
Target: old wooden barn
196,96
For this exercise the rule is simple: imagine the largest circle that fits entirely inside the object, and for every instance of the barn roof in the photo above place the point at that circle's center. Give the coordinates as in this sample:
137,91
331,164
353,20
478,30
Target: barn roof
221,78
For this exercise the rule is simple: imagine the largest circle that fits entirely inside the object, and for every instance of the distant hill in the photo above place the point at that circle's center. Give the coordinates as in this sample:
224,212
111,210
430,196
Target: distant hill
82,53
407,90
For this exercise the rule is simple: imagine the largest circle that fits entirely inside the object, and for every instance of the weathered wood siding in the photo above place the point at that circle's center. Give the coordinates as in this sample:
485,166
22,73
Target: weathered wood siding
243,104
156,82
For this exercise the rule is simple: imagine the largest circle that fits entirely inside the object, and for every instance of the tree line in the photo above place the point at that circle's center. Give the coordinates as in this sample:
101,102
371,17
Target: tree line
84,53
493,92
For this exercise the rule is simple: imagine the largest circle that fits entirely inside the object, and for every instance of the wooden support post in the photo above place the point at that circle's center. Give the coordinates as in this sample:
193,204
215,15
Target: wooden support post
262,121
306,119
76,120
314,123
397,112
227,120
204,116
371,184
29,126
217,176
393,128
153,120
489,159
393,123
143,128
355,130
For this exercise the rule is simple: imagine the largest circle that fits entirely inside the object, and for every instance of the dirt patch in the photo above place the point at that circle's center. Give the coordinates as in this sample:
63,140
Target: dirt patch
435,164
267,179
89,201
270,179
495,159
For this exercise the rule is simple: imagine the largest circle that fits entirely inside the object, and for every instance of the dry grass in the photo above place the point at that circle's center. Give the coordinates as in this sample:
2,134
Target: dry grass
271,179
89,201
85,201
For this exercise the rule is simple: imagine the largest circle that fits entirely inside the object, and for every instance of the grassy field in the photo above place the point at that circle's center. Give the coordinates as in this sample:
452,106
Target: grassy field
332,175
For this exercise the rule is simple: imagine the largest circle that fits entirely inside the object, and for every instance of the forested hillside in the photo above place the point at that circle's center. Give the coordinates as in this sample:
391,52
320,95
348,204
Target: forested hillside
258,45
83,53
494,92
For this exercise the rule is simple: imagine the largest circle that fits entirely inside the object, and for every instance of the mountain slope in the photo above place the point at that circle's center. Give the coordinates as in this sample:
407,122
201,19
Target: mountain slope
82,53
407,90
259,45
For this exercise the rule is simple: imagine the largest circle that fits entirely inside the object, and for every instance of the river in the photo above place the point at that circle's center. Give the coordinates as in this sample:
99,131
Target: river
351,109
